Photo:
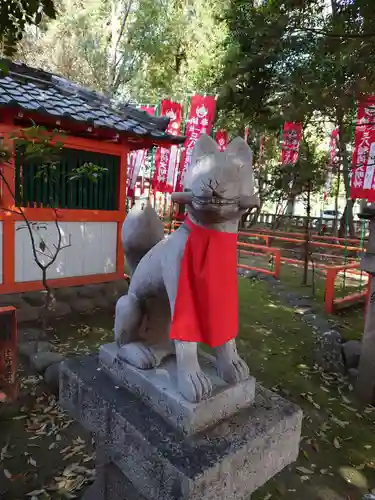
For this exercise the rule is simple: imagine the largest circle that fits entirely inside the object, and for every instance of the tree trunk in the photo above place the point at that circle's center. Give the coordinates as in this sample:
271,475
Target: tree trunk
290,205
347,217
337,194
307,237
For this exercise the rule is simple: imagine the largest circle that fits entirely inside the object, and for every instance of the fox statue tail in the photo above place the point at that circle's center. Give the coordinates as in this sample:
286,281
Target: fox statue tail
142,230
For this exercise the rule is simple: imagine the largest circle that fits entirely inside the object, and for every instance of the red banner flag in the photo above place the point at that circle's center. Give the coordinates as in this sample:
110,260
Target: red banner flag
332,162
222,139
333,147
292,136
166,158
201,118
363,161
136,160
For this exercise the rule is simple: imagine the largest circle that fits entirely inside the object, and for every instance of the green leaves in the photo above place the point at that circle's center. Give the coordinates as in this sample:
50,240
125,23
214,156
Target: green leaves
89,170
15,16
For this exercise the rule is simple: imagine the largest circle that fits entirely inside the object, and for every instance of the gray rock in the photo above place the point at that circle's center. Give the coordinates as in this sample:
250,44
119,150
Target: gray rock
28,314
328,351
29,334
52,377
81,305
101,302
91,291
66,293
34,298
42,360
14,300
28,349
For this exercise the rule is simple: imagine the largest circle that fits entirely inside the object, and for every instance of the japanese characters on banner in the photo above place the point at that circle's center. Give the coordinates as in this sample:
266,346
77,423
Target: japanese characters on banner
332,162
201,118
292,135
222,139
363,161
166,158
136,160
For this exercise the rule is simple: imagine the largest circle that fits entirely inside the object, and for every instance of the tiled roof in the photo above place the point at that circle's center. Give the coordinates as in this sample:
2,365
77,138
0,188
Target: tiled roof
45,93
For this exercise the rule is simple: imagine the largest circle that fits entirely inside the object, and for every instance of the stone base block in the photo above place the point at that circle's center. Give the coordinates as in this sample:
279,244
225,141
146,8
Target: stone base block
141,456
158,389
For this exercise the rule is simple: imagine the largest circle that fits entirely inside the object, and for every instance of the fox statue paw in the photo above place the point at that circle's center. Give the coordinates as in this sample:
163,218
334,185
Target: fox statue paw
230,367
144,356
194,385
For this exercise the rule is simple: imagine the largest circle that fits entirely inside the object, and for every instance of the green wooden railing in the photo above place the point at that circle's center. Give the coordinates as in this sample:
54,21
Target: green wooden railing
55,188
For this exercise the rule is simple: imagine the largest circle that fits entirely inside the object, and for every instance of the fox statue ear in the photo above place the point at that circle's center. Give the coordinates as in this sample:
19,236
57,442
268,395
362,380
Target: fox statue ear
242,154
241,151
205,147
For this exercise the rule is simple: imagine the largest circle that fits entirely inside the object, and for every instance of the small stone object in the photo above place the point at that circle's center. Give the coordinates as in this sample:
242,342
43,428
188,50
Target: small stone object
42,360
52,377
352,353
328,351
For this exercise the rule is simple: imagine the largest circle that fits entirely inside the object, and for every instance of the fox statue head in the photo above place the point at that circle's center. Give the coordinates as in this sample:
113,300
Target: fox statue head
220,185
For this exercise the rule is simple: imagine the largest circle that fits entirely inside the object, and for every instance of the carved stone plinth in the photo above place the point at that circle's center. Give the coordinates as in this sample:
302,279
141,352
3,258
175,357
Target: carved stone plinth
142,455
158,389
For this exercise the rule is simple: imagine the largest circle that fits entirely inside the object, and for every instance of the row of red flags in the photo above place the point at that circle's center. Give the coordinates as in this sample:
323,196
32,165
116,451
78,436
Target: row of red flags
172,163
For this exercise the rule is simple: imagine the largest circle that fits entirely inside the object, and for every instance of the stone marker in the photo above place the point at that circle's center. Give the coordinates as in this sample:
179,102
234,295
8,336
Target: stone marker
365,386
170,422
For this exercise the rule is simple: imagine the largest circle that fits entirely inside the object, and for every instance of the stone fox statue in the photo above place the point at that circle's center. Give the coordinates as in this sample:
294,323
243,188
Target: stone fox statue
183,288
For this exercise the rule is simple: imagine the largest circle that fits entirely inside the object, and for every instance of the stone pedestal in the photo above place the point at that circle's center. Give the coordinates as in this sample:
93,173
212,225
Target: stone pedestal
365,386
144,453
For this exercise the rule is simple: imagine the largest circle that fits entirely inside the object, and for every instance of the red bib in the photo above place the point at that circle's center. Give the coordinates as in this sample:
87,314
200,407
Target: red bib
206,308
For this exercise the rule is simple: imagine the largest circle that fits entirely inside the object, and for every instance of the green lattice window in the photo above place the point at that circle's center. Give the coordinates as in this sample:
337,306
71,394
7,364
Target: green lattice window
56,189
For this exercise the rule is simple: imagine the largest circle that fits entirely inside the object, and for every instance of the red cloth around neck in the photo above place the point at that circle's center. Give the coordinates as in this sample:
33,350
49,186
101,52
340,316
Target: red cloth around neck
206,307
